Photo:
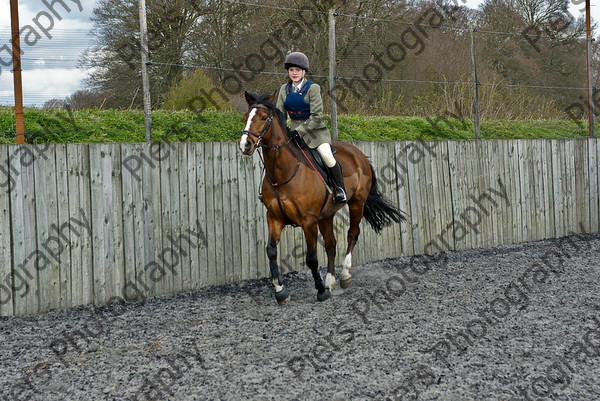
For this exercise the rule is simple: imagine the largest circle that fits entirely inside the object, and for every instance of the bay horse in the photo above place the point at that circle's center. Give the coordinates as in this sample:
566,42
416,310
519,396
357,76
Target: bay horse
295,194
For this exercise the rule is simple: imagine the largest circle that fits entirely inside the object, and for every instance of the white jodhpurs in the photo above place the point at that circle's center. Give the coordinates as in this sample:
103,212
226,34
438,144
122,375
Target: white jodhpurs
324,150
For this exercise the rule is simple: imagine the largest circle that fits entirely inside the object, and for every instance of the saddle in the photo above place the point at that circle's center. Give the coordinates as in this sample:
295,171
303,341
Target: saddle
318,161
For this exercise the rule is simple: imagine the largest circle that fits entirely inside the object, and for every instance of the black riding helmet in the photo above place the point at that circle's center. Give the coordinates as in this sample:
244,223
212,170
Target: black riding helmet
296,59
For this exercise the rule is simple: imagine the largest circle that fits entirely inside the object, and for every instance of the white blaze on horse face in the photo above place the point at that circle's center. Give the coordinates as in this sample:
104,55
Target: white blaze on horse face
247,128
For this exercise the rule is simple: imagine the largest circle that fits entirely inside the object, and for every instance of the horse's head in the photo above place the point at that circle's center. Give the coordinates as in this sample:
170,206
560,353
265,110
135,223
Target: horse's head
258,120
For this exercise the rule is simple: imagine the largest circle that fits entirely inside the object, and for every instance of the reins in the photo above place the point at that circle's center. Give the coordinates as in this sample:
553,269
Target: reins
270,178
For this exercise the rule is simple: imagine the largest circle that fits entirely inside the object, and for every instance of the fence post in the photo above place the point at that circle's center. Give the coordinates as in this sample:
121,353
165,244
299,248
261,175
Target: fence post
588,55
145,79
332,94
475,85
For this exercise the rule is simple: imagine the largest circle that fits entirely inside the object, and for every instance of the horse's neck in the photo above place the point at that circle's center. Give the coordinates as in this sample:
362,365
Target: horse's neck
281,160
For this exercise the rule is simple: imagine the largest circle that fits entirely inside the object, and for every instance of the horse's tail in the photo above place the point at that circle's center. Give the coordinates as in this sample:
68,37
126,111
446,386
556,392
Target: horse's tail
379,212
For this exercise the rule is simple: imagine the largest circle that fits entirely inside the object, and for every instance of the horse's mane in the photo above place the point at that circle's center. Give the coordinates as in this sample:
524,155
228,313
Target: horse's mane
264,100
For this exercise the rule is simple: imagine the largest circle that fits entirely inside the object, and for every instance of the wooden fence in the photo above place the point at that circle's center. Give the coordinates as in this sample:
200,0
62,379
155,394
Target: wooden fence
85,223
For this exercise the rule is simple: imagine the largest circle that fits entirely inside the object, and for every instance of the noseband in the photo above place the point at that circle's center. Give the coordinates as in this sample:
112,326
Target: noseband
264,130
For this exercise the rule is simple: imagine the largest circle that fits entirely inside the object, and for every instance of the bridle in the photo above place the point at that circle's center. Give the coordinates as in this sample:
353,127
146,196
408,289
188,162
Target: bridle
270,178
259,137
257,144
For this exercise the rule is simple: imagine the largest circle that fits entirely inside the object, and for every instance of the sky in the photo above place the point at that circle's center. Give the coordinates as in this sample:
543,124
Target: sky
49,64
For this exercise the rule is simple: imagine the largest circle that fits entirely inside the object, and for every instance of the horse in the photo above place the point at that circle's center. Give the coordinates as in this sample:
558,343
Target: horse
294,193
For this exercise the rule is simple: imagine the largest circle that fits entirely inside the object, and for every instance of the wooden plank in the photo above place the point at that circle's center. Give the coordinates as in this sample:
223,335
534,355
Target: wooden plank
246,192
175,279
27,176
227,218
184,223
524,189
211,215
453,183
85,207
192,193
497,214
116,250
571,189
72,198
472,188
262,232
133,236
403,198
434,200
504,215
557,178
593,184
237,212
153,227
201,150
6,255
533,190
582,182
62,191
416,211
547,188
100,168
485,182
20,253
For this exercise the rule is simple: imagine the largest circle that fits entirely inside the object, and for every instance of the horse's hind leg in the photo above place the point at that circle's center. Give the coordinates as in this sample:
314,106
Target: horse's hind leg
282,294
356,207
326,228
311,233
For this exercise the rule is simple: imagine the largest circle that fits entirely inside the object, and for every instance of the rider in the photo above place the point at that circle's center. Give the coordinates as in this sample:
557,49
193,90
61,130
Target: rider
301,99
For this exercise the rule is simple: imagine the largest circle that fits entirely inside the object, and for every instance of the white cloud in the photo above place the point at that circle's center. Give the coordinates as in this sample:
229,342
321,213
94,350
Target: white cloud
40,85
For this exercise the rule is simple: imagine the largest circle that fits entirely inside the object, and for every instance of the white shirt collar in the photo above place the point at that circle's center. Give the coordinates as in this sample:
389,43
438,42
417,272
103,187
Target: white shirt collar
300,85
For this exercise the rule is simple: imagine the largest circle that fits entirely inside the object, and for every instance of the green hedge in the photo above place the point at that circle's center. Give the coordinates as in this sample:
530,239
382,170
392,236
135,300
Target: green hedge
58,126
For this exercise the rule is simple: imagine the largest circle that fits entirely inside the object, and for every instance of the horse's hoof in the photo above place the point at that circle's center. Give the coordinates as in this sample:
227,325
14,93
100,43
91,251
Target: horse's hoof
323,296
346,283
282,296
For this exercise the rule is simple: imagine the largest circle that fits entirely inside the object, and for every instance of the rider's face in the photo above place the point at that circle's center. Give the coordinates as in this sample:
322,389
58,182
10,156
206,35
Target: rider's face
296,74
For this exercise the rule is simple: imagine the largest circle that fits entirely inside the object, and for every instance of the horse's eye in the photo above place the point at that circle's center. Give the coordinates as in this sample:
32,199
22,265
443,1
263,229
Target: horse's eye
264,118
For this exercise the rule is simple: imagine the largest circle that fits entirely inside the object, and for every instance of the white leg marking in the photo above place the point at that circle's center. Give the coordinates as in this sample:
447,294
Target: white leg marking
278,288
330,281
346,265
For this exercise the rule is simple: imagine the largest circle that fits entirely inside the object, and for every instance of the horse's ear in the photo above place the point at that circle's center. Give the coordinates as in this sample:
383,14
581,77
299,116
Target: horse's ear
250,97
273,97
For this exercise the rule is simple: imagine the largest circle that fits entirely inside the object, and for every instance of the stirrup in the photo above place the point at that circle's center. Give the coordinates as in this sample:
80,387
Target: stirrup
339,195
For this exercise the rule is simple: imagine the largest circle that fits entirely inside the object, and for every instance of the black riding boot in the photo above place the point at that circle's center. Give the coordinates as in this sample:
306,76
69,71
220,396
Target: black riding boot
339,195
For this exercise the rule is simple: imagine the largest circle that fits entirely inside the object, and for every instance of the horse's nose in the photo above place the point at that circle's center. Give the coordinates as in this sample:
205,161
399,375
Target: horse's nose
247,146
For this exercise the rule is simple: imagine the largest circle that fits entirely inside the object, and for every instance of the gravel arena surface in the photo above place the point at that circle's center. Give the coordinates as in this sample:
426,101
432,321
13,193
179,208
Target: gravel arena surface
515,322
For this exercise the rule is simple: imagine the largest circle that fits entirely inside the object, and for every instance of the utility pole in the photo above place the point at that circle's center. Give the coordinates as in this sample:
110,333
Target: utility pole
475,85
17,81
588,53
332,94
145,79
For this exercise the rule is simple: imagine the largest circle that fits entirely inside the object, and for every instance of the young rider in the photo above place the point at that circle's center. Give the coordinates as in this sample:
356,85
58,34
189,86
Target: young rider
301,100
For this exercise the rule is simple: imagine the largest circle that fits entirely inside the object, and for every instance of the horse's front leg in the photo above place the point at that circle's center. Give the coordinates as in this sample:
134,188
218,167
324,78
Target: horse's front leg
326,228
282,295
311,232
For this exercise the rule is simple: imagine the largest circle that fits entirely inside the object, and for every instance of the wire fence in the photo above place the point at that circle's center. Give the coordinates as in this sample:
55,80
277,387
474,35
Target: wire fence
426,62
